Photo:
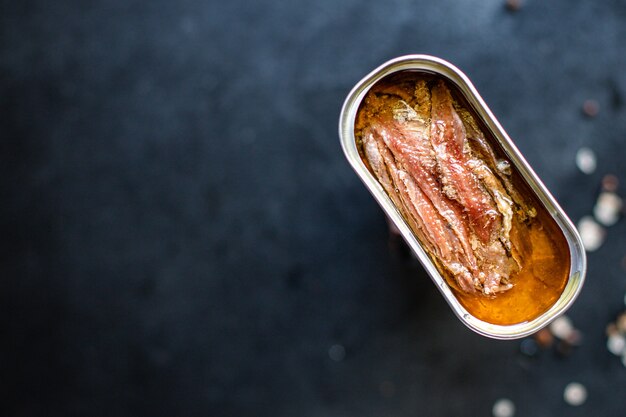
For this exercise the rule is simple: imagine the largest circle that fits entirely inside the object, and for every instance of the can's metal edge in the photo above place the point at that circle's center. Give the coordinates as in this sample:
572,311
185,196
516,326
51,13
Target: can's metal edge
443,68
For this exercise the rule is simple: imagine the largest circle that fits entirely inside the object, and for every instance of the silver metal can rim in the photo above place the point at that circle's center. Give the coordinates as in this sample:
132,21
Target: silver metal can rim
437,66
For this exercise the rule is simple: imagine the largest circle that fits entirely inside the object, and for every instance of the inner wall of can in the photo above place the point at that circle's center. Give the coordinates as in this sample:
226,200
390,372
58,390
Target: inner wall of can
441,68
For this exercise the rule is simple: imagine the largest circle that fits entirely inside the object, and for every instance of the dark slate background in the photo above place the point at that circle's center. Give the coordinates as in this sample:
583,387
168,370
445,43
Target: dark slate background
181,234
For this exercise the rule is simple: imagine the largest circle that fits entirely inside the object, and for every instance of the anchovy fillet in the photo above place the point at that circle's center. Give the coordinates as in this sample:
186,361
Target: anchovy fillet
436,166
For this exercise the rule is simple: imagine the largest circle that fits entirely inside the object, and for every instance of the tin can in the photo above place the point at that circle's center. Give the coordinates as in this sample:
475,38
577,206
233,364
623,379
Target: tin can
436,66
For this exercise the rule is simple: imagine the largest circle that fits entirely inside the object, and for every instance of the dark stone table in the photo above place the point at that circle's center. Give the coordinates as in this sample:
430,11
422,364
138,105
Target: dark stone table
182,235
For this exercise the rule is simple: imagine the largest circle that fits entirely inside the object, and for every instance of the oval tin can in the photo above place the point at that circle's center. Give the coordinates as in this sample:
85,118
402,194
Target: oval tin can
436,66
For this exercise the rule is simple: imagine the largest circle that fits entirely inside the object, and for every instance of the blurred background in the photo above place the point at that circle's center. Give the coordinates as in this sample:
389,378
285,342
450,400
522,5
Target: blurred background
182,235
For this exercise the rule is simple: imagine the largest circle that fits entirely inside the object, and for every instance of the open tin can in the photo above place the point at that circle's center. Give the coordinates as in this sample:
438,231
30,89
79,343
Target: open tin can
433,66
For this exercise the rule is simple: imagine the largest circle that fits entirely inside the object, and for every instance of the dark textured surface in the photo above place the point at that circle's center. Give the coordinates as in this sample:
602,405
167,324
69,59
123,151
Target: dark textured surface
183,236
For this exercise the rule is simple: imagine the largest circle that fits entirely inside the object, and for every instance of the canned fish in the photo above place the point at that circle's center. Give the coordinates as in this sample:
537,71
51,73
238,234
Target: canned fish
495,242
